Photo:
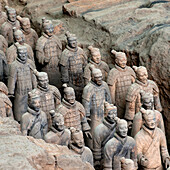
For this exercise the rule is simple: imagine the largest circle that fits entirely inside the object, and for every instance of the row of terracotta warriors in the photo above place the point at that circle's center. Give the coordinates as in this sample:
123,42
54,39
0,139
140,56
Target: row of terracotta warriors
123,88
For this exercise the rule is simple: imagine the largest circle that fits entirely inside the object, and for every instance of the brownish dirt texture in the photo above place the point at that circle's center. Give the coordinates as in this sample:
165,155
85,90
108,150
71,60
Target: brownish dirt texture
19,152
140,28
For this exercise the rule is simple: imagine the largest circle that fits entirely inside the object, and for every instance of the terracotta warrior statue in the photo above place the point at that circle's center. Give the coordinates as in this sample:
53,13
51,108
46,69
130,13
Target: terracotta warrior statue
95,93
3,44
97,62
133,102
58,134
147,101
73,62
30,34
73,112
21,81
119,80
151,145
48,52
103,133
34,121
50,95
127,164
119,146
6,28
78,147
5,103
11,53
3,67
3,16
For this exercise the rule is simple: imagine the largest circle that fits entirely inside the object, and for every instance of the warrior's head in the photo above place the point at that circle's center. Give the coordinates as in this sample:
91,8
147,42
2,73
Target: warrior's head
71,39
77,137
69,94
57,120
96,75
25,24
18,36
95,54
48,27
141,73
11,13
34,100
42,79
122,127
149,118
22,53
147,100
120,58
110,112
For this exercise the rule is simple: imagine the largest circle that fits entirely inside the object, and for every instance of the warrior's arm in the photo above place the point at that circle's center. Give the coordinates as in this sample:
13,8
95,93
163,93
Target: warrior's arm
157,103
137,125
64,74
161,123
5,44
96,146
108,157
40,53
57,96
24,126
133,155
12,79
6,70
163,146
87,107
112,92
85,125
33,77
45,128
130,109
107,95
139,149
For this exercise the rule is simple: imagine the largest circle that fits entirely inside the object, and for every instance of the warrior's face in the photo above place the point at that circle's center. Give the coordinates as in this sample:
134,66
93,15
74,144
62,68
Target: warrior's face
19,37
59,123
122,129
70,97
78,139
12,16
121,61
49,29
72,43
150,121
96,58
148,103
35,103
22,54
111,115
98,80
43,82
26,27
142,75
